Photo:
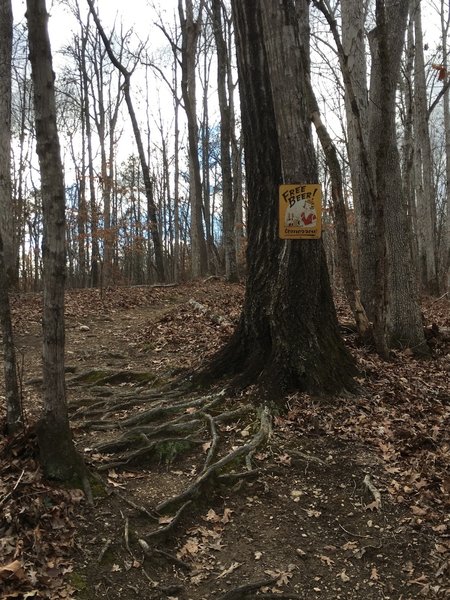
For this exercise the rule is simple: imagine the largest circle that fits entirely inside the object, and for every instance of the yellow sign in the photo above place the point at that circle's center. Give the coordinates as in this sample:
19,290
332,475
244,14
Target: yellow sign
300,211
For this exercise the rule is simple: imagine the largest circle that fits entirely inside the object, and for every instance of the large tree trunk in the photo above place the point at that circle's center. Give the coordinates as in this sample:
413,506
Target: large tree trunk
288,333
58,455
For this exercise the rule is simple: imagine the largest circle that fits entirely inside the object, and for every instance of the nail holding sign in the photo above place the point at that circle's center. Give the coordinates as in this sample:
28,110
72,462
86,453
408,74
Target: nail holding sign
300,211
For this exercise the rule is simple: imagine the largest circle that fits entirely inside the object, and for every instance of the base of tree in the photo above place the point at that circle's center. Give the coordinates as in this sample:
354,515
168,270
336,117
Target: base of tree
58,455
277,370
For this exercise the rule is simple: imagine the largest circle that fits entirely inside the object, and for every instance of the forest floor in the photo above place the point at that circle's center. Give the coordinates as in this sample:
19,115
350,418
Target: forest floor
345,497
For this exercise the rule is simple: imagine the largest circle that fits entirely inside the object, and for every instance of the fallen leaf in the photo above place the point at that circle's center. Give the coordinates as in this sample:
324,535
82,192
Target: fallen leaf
419,511
226,518
165,520
374,574
327,560
344,577
212,516
13,569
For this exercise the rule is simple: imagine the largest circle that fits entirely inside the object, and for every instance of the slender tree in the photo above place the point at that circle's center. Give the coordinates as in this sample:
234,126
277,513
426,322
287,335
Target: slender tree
6,204
58,455
423,167
190,30
231,272
148,183
288,333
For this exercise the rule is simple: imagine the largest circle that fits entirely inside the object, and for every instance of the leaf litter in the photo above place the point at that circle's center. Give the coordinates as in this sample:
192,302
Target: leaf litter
330,537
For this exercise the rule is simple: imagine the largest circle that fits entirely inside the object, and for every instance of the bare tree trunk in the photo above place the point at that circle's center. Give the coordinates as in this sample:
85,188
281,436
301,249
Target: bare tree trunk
231,272
446,240
353,36
6,201
425,188
58,455
288,334
95,250
14,417
148,184
401,310
190,30
337,189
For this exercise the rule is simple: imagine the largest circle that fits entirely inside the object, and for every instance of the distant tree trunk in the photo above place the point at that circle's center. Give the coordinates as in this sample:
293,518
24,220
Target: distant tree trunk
95,250
288,335
148,184
446,236
337,187
58,455
353,36
190,30
231,272
395,309
425,188
400,317
6,202
408,140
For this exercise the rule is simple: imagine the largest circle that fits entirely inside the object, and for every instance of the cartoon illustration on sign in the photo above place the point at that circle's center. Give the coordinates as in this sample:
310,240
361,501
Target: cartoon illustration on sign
300,211
302,214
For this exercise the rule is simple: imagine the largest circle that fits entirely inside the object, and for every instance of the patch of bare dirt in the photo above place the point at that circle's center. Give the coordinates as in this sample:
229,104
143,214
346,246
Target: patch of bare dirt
347,498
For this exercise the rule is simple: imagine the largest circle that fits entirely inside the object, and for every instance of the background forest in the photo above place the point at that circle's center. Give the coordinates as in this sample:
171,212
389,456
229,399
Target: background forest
283,438
152,149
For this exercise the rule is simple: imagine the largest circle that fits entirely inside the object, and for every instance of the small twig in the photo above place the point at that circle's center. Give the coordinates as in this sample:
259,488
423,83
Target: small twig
440,298
307,457
104,550
287,596
5,498
174,559
373,490
358,535
137,507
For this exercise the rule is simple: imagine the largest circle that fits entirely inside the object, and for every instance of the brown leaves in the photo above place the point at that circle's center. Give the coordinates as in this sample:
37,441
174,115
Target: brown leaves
36,530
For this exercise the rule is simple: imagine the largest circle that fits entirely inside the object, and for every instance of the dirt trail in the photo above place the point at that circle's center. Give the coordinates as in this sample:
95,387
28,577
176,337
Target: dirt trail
306,522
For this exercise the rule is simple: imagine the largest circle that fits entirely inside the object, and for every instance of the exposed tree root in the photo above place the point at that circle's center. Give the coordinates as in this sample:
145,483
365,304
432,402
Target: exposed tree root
195,489
165,423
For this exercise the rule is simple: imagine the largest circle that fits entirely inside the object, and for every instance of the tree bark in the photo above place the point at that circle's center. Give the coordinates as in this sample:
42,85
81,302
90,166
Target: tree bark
446,237
189,33
399,317
425,188
14,417
353,36
288,333
58,455
231,272
6,202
